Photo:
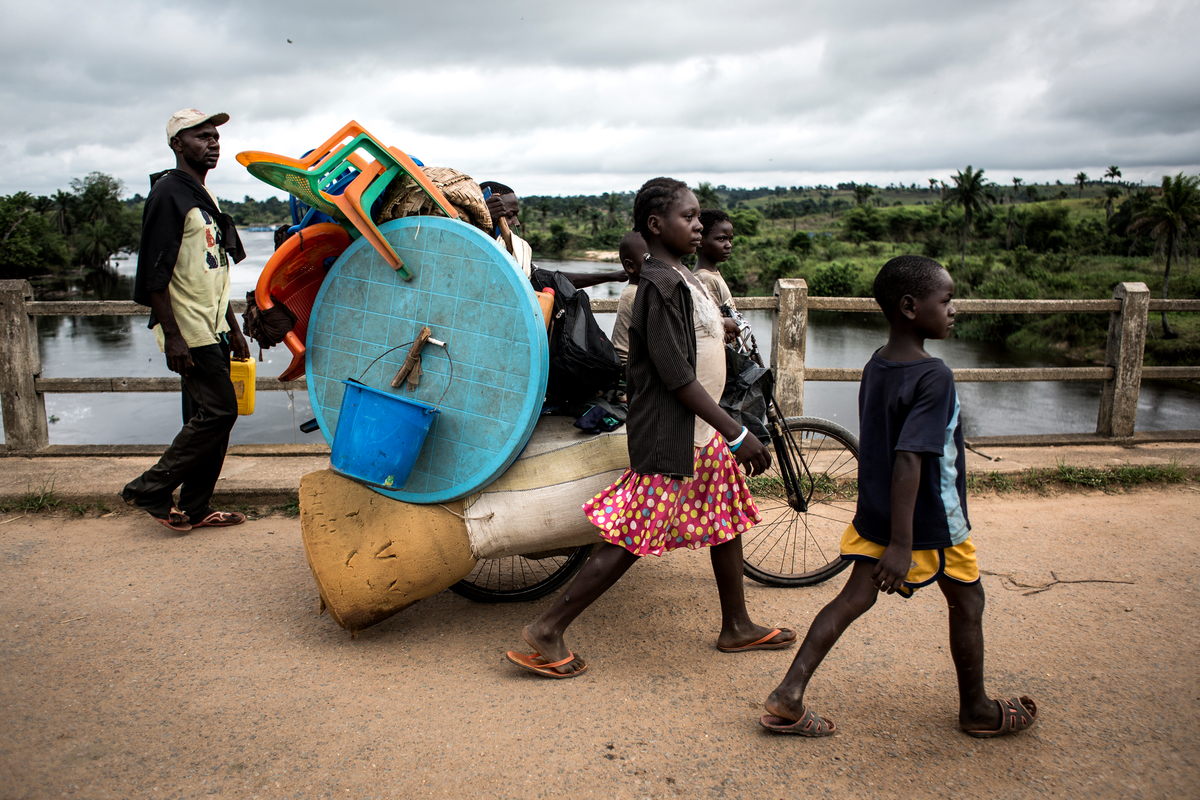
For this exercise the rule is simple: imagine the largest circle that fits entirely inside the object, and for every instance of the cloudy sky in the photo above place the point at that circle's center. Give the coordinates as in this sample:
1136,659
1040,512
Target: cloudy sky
562,97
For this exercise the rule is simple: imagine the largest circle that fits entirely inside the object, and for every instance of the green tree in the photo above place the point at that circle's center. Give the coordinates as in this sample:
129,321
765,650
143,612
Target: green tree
745,222
1113,172
613,204
543,208
1016,187
833,280
30,244
862,193
560,237
974,194
801,243
707,195
1111,193
1081,179
1171,220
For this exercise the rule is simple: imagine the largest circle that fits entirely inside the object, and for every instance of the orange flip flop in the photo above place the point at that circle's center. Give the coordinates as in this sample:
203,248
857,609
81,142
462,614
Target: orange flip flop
764,643
536,663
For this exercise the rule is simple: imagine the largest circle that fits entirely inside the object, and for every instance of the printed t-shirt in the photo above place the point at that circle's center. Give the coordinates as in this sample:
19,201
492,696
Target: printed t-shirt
911,406
200,283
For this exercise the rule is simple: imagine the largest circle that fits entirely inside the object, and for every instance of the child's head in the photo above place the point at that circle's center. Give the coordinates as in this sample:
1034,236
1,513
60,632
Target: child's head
631,252
716,243
918,289
666,211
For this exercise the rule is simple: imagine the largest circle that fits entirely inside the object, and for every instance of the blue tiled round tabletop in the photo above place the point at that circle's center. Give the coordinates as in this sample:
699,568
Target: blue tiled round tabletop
474,298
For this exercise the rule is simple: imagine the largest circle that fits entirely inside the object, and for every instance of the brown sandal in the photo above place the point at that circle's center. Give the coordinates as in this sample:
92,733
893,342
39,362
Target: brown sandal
809,724
1016,715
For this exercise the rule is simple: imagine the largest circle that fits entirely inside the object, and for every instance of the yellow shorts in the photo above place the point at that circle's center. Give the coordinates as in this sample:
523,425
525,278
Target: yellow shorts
955,563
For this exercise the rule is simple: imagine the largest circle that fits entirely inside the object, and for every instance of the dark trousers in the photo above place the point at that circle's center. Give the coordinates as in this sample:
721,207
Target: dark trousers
193,461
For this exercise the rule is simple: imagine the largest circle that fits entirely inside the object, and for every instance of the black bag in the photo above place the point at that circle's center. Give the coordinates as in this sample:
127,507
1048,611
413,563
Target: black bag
583,362
747,387
269,327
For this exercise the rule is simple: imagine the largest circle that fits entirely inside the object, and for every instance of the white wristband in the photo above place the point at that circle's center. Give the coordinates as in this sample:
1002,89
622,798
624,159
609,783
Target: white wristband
736,443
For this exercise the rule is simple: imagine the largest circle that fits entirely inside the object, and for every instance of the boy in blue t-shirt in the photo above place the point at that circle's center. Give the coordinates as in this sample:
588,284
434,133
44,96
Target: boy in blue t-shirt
911,527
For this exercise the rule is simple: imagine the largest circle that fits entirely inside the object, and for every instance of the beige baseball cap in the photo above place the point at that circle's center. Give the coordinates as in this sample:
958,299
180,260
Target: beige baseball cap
190,118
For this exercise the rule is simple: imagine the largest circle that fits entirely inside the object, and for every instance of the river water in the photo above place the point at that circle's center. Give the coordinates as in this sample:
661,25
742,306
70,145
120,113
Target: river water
123,346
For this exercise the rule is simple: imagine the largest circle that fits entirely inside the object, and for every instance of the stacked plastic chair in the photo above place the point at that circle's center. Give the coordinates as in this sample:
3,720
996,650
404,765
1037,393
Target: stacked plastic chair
340,179
311,178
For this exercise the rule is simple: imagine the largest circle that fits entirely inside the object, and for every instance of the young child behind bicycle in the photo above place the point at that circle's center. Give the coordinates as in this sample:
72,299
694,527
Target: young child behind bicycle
911,526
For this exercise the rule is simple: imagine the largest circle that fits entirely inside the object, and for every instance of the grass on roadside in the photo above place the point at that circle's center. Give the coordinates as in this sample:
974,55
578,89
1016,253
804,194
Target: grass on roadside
1061,475
42,499
289,509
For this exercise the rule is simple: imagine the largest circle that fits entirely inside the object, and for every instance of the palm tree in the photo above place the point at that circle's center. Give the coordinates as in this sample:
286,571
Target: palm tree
707,195
1111,193
862,193
1172,220
1016,187
612,203
1081,179
974,195
933,182
1014,223
1113,172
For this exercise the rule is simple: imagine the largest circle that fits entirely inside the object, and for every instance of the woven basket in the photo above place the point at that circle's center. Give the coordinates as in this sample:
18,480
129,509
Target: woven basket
404,198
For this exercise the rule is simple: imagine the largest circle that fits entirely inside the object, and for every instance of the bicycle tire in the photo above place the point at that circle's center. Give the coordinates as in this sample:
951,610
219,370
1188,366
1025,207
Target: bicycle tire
518,579
790,547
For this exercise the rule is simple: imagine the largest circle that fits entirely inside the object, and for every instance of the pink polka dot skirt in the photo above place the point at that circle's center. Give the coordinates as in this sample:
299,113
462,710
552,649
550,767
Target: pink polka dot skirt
651,514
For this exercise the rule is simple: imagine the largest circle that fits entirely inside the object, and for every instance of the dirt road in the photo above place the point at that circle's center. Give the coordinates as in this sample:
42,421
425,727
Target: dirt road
141,664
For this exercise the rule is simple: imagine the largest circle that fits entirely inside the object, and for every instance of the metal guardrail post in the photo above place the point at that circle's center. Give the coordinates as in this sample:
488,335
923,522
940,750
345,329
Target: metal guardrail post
1126,347
790,324
20,364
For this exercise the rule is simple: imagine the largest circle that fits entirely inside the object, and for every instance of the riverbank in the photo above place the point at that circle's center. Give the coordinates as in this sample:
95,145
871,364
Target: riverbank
147,664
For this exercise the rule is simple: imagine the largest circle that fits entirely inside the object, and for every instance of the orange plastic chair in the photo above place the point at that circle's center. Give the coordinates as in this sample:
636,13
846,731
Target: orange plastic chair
293,276
307,182
350,130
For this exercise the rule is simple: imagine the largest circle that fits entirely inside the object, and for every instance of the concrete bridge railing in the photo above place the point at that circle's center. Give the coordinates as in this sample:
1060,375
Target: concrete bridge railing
23,389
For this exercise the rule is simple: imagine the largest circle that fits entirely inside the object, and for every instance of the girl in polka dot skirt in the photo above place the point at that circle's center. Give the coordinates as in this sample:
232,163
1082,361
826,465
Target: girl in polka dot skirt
684,487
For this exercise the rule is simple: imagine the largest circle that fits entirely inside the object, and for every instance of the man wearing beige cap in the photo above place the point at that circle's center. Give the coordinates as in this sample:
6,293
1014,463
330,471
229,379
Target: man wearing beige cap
183,275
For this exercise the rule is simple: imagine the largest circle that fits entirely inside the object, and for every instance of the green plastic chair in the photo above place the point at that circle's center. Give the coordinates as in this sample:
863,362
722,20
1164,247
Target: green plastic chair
349,208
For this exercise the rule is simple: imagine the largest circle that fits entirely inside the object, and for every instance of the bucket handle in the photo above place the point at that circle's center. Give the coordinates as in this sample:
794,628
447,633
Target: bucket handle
449,378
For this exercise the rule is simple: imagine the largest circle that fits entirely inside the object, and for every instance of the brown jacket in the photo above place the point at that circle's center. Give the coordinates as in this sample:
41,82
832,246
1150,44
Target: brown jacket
662,358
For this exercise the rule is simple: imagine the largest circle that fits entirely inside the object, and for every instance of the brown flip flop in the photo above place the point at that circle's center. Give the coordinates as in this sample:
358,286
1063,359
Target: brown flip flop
764,643
220,519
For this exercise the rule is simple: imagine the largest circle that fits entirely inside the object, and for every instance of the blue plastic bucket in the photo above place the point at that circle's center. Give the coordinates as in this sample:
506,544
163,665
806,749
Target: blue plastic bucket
379,436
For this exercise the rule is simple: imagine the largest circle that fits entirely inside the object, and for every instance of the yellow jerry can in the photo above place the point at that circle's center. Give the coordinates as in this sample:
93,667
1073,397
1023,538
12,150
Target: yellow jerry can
242,375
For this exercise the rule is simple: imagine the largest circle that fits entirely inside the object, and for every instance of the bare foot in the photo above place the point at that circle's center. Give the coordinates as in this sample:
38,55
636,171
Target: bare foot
985,716
551,647
784,706
752,638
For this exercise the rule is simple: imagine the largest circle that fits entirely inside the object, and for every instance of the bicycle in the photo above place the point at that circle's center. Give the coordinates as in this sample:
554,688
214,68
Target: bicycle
806,499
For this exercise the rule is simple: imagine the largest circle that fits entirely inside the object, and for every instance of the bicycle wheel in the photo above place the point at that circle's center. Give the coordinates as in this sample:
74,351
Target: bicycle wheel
801,548
516,579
